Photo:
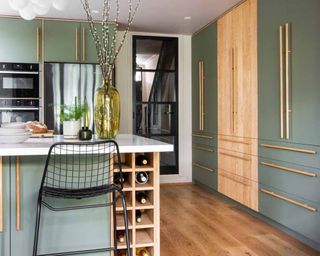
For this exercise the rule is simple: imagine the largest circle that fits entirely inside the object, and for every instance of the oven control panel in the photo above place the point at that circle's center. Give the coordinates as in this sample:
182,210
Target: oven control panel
14,103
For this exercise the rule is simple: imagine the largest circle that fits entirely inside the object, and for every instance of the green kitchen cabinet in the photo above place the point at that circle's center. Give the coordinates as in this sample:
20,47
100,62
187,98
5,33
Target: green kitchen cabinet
204,107
5,233
20,40
71,41
59,231
62,41
204,49
301,91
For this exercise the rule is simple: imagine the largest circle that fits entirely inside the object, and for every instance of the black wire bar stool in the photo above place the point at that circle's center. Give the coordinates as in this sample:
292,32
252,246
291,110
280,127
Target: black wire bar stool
78,171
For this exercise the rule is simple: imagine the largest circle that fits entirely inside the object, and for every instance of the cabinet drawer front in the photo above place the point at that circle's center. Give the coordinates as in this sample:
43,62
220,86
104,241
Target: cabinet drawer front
243,145
238,188
238,164
287,211
205,155
293,153
204,139
291,178
204,174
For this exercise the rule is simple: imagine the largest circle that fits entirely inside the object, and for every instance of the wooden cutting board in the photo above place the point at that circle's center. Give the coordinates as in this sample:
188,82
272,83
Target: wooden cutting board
48,134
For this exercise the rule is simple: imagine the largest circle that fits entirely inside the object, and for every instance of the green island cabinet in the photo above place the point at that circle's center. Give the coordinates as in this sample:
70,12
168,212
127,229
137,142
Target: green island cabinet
59,231
289,154
20,40
204,107
5,230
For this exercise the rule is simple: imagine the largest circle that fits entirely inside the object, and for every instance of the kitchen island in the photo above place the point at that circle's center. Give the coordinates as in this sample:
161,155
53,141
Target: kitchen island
21,169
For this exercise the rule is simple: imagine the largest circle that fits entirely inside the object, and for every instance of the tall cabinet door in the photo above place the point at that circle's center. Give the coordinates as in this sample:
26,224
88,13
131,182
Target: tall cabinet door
5,206
20,40
62,41
245,88
226,92
304,86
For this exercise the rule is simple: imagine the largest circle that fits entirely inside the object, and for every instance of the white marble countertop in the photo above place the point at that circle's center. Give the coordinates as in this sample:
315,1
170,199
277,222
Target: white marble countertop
128,143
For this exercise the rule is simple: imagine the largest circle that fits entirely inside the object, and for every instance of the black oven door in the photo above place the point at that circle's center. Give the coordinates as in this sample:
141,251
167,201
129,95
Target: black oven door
19,84
18,115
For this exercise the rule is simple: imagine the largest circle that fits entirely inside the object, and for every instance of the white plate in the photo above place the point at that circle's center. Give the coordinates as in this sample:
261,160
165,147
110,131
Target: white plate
14,139
11,131
15,125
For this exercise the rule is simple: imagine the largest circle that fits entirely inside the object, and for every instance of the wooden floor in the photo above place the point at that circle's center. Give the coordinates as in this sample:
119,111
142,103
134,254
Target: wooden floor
197,223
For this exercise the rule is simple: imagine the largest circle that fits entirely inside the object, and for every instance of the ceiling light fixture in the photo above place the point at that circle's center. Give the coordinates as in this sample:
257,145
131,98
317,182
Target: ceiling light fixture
187,18
29,9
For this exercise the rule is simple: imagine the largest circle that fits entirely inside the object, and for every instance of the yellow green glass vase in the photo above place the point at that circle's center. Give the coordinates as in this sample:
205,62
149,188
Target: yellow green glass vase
107,112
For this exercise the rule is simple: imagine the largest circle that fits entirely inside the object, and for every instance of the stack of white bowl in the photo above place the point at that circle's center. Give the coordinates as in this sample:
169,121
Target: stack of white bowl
12,133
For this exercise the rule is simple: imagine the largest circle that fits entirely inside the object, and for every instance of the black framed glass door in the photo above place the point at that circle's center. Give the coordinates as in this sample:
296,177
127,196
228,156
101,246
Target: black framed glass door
155,94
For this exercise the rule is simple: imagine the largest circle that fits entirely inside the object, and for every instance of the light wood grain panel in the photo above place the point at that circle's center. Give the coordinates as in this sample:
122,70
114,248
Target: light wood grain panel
225,45
238,102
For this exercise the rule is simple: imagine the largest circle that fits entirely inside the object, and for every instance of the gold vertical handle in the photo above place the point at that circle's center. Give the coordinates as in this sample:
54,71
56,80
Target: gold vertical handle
83,44
287,83
38,44
1,195
202,95
232,89
77,44
281,79
18,197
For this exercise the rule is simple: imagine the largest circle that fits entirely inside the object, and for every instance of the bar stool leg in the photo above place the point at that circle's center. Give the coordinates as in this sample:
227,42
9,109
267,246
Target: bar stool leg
114,212
36,233
124,205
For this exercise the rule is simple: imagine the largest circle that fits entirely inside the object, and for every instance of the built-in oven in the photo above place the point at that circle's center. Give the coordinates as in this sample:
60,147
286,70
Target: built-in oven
19,92
19,80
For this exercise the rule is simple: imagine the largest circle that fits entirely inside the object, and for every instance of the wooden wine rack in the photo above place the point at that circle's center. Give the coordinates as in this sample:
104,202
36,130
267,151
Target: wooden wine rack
147,233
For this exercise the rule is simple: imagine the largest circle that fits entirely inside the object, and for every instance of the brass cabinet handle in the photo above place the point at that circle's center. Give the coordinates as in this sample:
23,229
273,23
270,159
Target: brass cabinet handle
235,156
1,195
83,44
38,44
200,98
202,167
299,150
235,141
312,209
18,197
203,149
77,44
287,83
202,136
232,91
310,174
234,178
281,80
201,95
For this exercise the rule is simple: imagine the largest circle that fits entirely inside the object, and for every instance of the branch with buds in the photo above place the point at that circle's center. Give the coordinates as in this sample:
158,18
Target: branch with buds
106,48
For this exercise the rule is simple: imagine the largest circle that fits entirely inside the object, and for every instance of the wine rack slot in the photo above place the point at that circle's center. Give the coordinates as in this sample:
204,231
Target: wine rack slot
144,232
122,245
144,237
120,220
146,219
146,186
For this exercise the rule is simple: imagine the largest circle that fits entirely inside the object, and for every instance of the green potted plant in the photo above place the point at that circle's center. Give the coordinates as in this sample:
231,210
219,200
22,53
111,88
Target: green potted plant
70,116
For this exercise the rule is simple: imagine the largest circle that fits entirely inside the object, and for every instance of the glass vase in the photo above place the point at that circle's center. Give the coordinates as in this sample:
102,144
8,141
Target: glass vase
107,112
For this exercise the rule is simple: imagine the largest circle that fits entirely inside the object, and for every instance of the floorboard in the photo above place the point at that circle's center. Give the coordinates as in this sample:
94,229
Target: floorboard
197,223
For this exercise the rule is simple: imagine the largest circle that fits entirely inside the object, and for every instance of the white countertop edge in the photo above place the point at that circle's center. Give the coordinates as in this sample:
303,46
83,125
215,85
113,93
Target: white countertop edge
127,144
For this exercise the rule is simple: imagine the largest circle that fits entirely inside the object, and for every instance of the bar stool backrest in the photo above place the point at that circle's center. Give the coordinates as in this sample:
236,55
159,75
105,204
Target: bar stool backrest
77,166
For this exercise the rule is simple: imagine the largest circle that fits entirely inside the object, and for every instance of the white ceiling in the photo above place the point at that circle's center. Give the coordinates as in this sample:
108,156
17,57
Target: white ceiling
160,16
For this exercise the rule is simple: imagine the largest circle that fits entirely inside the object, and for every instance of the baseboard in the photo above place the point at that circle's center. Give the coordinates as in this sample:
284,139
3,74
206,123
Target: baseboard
174,179
259,216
